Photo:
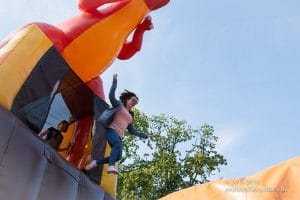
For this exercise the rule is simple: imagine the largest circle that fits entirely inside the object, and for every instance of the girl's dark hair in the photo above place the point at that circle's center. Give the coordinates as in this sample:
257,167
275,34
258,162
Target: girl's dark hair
127,95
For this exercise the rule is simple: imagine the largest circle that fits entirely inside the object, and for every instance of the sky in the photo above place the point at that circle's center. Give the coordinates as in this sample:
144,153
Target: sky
231,64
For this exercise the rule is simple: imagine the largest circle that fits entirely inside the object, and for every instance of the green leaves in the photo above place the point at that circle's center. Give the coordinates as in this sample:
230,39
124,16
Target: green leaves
174,157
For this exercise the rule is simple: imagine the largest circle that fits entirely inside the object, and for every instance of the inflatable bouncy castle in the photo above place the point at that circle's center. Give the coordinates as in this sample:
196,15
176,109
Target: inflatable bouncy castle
45,70
280,182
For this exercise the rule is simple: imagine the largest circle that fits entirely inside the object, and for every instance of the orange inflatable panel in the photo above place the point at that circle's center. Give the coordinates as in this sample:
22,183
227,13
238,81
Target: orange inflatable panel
280,182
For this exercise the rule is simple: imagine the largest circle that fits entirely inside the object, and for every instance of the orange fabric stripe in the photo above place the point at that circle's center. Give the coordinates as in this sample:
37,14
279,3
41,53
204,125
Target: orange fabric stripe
3,56
95,49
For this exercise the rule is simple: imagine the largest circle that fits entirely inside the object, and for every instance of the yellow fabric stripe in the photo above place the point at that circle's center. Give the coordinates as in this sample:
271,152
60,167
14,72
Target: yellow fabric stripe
66,140
108,181
23,52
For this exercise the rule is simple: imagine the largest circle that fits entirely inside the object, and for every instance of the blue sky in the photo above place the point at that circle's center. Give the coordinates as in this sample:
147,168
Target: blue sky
232,64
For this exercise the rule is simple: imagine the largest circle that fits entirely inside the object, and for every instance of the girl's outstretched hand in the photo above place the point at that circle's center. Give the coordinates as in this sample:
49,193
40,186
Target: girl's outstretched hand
115,76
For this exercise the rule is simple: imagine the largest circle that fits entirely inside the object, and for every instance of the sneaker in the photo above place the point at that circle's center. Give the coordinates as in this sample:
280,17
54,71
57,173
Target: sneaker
112,170
91,165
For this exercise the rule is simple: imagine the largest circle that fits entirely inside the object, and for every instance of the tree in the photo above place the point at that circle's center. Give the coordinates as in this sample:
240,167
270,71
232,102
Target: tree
174,157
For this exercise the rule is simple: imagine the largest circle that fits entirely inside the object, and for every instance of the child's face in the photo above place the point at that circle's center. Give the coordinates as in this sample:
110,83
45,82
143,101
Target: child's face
132,102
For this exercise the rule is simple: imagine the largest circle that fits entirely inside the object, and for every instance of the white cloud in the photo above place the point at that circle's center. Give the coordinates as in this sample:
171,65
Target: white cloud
229,138
17,13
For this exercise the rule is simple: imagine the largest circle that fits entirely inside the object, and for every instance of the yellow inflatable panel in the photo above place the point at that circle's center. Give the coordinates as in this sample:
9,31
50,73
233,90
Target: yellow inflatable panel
22,53
280,182
109,181
66,141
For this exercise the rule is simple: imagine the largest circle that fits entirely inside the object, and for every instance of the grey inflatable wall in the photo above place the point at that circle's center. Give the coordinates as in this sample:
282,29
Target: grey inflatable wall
32,170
